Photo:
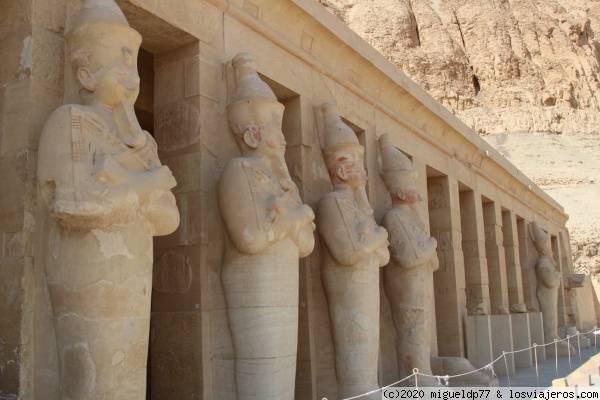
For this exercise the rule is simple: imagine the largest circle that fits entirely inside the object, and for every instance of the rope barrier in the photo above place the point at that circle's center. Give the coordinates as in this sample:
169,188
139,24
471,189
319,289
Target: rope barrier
490,366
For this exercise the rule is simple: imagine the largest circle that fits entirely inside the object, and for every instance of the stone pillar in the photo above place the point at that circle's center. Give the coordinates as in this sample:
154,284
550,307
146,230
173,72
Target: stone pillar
562,302
527,258
502,341
479,340
512,257
421,170
492,218
449,280
297,119
521,335
473,245
566,266
536,328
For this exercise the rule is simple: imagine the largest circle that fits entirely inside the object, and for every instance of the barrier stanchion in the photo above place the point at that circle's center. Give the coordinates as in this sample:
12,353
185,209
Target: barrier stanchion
556,355
506,365
416,374
579,345
569,351
537,372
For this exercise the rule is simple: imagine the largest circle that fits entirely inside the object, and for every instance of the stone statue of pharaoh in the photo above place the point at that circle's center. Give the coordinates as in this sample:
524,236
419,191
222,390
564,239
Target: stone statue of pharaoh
354,248
104,194
268,230
548,284
408,278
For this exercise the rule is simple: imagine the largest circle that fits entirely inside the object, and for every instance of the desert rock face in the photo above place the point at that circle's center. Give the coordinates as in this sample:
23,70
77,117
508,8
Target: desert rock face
524,74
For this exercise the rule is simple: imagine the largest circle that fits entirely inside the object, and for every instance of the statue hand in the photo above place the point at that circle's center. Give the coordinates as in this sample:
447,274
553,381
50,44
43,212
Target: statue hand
110,172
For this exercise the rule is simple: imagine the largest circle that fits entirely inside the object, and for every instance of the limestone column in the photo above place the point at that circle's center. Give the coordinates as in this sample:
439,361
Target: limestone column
449,280
527,259
492,219
562,301
474,250
512,257
296,126
566,266
421,170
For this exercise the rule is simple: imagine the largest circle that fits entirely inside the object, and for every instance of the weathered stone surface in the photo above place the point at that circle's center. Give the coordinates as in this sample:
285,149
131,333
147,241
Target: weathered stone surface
12,300
172,273
175,356
501,66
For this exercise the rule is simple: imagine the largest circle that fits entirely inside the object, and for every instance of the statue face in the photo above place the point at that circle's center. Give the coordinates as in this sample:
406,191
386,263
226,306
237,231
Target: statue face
409,195
271,141
115,79
354,174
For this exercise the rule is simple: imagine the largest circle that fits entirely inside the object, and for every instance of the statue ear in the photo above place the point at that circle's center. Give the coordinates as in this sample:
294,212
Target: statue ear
341,173
87,80
250,138
400,194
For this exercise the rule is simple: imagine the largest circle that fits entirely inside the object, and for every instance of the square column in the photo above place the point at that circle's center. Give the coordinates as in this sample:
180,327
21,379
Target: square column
557,256
421,170
449,280
502,341
536,329
512,257
479,340
473,245
521,335
527,258
494,249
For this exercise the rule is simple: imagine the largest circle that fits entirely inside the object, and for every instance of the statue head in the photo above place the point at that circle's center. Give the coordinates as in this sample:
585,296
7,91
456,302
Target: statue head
540,239
398,173
103,50
255,115
343,154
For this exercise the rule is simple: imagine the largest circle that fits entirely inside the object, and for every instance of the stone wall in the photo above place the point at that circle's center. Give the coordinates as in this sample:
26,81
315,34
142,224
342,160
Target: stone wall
31,86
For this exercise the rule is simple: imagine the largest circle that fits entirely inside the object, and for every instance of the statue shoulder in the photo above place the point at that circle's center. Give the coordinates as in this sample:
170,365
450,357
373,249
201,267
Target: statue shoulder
241,163
70,117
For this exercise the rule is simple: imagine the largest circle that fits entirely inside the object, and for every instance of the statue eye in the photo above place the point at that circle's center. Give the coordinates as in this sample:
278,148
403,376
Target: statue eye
128,56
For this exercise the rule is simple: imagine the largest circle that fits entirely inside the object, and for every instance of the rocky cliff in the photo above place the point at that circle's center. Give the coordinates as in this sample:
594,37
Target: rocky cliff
523,73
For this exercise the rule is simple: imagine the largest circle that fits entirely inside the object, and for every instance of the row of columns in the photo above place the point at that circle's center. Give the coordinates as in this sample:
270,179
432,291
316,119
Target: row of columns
486,266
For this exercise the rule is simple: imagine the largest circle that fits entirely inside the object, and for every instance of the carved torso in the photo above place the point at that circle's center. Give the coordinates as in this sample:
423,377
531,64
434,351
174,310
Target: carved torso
350,233
85,163
410,243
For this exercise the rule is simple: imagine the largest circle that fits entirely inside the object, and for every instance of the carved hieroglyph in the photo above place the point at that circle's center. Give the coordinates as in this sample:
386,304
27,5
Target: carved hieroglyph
106,195
354,249
548,284
408,278
268,230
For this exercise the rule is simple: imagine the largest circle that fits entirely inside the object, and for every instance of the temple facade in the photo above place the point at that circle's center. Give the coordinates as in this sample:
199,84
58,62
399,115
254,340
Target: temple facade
476,204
